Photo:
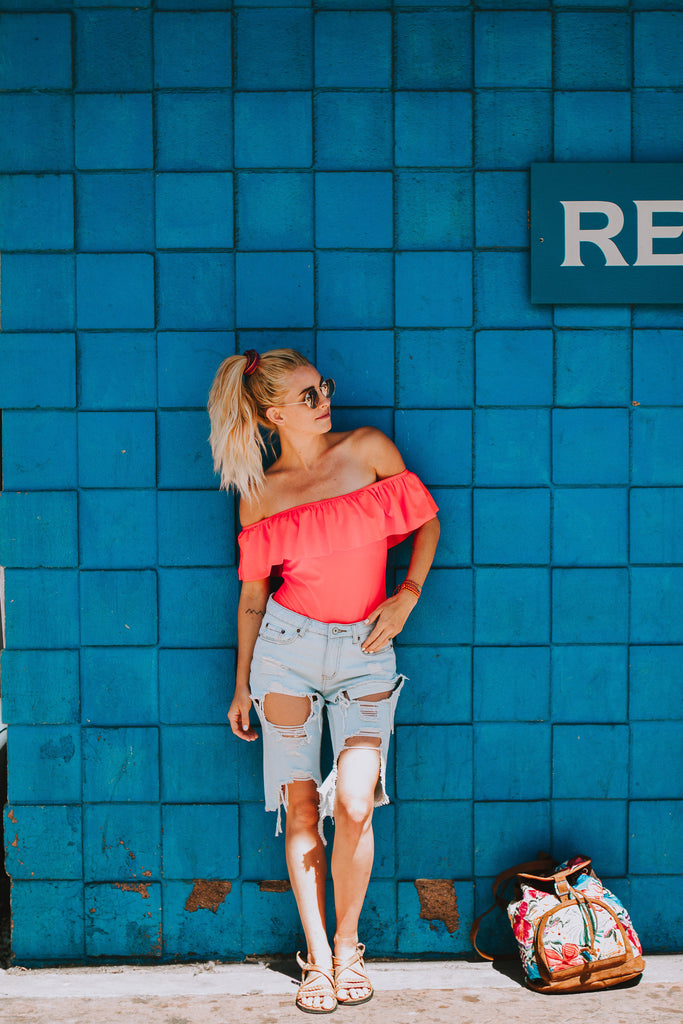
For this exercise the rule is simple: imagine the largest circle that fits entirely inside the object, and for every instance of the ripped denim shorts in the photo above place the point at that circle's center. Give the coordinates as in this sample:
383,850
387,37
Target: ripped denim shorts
302,657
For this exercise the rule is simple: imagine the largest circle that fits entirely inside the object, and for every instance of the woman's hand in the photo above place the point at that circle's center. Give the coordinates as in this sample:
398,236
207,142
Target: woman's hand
389,617
238,716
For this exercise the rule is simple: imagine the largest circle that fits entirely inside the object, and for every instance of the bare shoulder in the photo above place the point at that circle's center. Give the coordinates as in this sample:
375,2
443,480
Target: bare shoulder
252,509
379,451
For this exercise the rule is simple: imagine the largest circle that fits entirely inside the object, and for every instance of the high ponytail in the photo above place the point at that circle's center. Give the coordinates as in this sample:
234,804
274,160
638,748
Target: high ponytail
237,407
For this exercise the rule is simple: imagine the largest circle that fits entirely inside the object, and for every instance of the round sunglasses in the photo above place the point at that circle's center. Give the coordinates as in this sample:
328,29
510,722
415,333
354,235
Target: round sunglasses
311,397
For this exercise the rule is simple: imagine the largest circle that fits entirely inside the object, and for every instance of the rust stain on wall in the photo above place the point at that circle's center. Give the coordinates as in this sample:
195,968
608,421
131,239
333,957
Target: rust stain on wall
138,887
438,902
275,885
207,895
10,815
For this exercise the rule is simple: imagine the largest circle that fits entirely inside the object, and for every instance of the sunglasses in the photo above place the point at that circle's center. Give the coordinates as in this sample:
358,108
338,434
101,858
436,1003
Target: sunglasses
312,395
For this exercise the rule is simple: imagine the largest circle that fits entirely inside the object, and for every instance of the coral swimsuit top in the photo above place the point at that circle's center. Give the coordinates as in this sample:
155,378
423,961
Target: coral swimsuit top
332,554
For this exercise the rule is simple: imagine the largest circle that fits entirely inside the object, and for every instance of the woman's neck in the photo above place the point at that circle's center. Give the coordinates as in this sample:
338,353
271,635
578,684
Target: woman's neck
302,451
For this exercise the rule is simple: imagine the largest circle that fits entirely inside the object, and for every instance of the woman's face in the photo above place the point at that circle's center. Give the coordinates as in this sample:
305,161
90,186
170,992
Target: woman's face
294,411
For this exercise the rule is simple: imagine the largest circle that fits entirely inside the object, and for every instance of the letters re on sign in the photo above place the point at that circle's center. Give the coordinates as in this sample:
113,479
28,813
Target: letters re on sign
607,233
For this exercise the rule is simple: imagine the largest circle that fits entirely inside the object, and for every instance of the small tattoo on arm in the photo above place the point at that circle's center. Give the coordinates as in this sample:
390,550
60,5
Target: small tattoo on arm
253,611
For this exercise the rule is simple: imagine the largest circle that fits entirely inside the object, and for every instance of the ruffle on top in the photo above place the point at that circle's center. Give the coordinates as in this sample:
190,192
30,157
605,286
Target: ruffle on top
389,509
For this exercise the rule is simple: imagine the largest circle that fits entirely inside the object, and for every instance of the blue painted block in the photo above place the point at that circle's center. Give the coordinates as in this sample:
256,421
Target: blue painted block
421,928
187,364
657,41
501,204
513,48
455,515
655,838
655,905
118,607
198,764
602,831
379,918
354,210
274,49
656,446
512,447
590,605
502,767
115,290
442,843
590,761
512,606
433,50
121,765
502,292
273,129
119,686
495,934
351,418
275,210
523,132
594,316
657,605
114,51
355,289
194,211
655,115
37,132
116,449
353,130
433,289
208,698
454,429
452,351
36,211
26,699
590,526
583,118
512,525
269,918
353,49
197,607
509,833
590,446
38,529
439,685
434,762
262,853
250,763
201,841
44,764
123,919
444,612
194,131
511,684
589,683
38,292
262,341
115,211
655,678
113,130
43,842
592,51
657,367
192,51
116,371
656,524
41,608
366,383
37,50
184,453
656,749
196,528
121,841
58,906
202,922
274,289
433,129
21,387
39,450
514,367
434,210
593,367
196,290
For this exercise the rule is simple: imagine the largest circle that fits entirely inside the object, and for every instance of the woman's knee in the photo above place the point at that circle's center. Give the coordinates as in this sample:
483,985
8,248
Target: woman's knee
302,805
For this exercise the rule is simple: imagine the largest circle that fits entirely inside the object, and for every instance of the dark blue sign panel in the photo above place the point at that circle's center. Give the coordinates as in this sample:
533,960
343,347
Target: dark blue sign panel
607,233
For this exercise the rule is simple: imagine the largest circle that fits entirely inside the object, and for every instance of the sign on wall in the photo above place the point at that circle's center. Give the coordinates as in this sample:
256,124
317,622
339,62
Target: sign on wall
606,233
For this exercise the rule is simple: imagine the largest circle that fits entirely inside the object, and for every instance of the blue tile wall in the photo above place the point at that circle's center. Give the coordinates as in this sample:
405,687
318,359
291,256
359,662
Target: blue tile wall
184,179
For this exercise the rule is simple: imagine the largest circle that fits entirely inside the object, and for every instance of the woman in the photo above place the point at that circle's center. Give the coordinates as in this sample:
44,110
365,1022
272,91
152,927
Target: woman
323,514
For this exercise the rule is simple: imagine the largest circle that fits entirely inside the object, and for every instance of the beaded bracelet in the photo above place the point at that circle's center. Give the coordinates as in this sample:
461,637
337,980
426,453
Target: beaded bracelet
410,585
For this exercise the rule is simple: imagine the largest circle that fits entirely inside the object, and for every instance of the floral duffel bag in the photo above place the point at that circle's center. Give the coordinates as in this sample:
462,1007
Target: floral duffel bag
573,934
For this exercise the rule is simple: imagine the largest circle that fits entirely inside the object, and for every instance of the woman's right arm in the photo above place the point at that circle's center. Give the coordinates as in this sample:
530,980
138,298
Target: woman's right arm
250,611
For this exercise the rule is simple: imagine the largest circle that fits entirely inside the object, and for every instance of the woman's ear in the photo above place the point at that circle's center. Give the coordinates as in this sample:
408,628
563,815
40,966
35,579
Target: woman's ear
274,415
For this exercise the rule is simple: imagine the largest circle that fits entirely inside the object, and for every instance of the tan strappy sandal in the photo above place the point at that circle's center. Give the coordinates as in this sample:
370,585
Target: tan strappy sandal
322,986
357,976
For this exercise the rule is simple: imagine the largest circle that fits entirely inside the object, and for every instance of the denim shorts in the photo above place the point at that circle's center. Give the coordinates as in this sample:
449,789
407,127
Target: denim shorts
323,661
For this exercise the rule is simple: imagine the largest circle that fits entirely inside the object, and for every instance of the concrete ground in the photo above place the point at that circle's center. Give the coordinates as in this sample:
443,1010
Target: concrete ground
263,993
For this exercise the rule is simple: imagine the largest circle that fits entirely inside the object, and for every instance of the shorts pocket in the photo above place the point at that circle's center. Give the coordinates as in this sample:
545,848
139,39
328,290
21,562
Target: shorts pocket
278,631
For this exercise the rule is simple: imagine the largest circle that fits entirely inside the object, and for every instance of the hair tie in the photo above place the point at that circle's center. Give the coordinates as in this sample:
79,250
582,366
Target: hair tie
253,359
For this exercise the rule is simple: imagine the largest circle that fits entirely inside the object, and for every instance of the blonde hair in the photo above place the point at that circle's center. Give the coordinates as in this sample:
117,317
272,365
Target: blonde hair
237,407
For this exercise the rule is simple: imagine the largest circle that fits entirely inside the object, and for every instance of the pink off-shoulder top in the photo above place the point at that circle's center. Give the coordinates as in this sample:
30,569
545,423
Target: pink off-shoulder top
332,554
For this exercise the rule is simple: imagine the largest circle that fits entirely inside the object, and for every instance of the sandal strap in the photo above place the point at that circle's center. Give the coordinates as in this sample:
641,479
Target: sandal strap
350,965
311,983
